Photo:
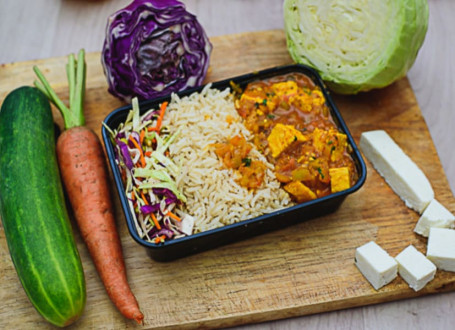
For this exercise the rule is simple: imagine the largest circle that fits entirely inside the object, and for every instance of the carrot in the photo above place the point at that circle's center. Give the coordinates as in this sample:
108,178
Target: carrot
85,177
159,239
82,167
159,121
141,152
174,216
161,116
155,221
143,198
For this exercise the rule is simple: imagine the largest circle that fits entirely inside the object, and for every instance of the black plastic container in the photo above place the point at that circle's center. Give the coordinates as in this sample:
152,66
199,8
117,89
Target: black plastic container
177,248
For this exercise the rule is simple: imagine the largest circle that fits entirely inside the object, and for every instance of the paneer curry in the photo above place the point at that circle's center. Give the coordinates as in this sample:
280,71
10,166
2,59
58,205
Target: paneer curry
293,127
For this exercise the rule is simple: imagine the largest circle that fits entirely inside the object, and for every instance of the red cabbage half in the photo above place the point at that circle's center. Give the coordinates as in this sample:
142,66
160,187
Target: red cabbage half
153,48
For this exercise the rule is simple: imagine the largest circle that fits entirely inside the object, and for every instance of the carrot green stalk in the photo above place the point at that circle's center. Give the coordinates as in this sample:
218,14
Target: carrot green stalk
71,74
85,177
74,115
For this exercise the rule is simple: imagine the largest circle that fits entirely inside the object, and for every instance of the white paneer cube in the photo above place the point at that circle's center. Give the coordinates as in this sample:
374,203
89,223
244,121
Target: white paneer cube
378,267
415,268
399,171
435,215
441,248
186,224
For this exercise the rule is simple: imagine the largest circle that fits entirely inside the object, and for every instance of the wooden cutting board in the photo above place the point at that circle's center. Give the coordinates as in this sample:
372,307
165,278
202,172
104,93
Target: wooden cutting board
305,269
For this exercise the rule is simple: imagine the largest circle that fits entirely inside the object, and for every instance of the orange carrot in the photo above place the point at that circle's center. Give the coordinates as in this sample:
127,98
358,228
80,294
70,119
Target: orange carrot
143,198
160,118
159,239
140,150
159,121
84,174
83,169
174,216
155,221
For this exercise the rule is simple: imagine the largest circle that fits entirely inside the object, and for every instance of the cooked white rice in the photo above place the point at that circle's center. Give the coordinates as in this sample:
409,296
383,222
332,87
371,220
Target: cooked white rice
214,198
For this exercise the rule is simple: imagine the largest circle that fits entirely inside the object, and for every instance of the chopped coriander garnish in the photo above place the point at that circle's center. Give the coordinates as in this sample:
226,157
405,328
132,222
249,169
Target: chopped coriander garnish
246,161
320,172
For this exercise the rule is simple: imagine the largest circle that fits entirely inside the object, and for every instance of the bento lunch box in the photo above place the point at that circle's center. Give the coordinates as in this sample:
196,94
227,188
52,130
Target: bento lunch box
184,246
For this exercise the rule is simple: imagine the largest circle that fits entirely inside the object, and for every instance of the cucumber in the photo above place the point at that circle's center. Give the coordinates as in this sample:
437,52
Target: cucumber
33,210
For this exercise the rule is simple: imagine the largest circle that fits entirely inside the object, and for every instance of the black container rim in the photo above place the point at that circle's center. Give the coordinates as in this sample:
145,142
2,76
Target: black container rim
244,79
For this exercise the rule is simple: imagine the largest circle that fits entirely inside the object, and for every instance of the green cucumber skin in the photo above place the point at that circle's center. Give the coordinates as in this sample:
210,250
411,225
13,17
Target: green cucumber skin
33,210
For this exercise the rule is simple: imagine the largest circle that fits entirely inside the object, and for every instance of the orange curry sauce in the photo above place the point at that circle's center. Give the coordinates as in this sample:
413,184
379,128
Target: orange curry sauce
293,128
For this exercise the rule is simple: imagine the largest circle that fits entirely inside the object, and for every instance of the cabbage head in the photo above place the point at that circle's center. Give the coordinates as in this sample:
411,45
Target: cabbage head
153,48
356,45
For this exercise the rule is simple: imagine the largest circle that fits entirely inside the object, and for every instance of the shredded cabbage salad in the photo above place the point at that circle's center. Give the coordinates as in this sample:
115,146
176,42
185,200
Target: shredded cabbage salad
149,175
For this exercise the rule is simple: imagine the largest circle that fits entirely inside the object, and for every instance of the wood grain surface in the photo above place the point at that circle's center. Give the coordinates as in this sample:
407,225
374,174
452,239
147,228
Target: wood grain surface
305,269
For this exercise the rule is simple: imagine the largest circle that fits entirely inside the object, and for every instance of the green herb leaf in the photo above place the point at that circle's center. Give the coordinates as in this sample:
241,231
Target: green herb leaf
246,162
320,172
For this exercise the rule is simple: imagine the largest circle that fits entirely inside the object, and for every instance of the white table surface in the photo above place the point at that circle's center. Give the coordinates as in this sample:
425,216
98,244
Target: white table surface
35,29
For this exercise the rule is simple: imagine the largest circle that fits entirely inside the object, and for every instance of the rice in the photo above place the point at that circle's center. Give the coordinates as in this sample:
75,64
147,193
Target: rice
214,198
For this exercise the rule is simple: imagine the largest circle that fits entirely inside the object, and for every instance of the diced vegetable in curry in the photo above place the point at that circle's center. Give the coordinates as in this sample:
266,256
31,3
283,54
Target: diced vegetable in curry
235,155
294,129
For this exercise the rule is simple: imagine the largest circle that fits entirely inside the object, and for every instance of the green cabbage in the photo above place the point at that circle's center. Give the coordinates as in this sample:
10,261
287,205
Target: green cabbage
356,45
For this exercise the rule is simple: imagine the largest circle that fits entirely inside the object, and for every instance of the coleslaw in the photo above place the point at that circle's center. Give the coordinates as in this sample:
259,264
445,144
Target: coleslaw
149,175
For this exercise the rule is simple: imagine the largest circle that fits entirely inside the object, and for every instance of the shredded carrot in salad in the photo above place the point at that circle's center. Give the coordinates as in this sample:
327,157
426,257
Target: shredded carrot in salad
155,221
149,175
138,147
173,216
141,137
160,239
160,118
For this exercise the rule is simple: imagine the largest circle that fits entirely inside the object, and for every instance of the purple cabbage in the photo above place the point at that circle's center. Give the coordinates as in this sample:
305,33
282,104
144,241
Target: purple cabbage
166,231
163,231
168,194
125,154
120,135
150,208
153,48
